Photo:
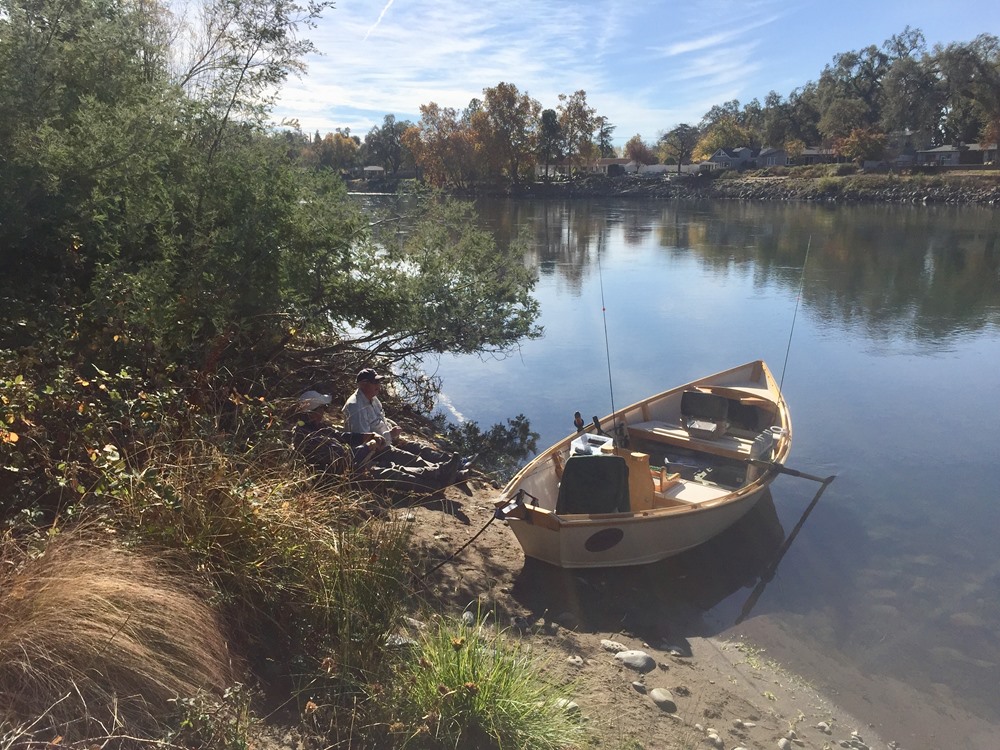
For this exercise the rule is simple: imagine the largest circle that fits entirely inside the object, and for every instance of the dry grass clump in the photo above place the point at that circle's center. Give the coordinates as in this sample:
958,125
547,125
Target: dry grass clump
97,640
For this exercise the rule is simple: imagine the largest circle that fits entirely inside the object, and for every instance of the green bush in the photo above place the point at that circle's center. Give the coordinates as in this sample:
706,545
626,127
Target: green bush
828,186
470,688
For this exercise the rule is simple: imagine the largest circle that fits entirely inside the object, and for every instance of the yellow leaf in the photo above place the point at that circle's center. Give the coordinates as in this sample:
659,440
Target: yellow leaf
10,437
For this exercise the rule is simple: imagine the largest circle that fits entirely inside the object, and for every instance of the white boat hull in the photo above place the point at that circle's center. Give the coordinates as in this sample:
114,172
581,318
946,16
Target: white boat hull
635,540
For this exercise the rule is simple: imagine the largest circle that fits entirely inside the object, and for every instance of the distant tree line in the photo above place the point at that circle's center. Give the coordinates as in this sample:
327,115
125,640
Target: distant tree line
896,96
865,104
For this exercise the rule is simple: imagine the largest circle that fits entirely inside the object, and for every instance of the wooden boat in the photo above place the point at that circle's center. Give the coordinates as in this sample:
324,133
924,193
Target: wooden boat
677,469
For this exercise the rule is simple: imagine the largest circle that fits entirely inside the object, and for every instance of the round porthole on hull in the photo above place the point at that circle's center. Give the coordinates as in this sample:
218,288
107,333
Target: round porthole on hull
603,540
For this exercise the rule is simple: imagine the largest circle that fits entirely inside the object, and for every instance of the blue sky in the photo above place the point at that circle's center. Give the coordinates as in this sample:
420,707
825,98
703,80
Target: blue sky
646,65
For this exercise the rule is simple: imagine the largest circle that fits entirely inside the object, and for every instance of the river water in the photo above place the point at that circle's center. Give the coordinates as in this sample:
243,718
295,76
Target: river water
883,324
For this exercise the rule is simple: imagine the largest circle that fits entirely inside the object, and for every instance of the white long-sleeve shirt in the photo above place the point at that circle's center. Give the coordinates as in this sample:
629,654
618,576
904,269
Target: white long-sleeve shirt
364,415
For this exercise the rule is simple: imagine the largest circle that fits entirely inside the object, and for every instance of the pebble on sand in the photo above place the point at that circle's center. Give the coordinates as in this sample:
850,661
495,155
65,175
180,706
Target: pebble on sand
640,661
663,698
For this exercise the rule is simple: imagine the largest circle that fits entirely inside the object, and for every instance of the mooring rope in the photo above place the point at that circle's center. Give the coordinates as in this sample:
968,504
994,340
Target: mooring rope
457,552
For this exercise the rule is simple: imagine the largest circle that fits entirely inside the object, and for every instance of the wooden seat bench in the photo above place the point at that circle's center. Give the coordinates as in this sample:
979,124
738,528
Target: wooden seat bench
665,433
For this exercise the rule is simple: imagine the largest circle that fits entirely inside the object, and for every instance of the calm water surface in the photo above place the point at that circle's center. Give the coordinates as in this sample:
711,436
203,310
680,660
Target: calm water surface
893,383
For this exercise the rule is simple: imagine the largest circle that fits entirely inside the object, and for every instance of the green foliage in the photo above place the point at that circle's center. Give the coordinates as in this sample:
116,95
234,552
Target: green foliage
446,286
678,144
225,722
828,186
385,147
471,688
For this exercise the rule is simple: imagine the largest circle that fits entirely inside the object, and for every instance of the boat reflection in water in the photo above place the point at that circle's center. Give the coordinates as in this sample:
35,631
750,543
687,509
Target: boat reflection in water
661,600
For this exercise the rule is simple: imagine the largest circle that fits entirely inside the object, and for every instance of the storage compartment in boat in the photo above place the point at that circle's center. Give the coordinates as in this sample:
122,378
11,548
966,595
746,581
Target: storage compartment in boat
587,444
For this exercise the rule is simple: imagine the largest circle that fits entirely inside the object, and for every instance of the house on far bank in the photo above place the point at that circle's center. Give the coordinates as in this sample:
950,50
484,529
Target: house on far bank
816,155
772,157
732,158
562,167
373,172
959,154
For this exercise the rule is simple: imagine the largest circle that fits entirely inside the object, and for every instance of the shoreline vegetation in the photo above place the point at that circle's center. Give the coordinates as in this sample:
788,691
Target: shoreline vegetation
823,184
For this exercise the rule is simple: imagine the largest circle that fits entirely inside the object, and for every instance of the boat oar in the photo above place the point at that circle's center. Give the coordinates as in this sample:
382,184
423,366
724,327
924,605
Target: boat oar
790,472
772,568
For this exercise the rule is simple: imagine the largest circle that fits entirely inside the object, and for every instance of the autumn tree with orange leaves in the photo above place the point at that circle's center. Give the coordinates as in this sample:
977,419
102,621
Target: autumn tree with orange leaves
442,144
505,128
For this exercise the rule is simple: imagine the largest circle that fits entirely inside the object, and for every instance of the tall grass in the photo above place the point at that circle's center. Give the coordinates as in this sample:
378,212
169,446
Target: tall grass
309,583
469,687
97,640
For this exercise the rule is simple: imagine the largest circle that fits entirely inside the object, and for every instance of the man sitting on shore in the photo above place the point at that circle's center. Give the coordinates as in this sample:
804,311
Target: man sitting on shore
357,454
363,413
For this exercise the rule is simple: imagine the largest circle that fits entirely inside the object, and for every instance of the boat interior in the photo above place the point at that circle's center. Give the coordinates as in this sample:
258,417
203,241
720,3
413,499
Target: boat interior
690,449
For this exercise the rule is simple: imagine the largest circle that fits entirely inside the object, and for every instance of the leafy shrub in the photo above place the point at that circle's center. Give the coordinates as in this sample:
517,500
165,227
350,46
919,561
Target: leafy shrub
225,722
828,186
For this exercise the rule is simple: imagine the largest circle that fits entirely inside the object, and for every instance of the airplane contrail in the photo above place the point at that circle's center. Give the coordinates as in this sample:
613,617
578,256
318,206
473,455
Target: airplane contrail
378,20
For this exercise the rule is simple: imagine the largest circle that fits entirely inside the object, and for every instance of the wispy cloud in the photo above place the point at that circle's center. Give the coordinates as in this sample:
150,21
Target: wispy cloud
378,20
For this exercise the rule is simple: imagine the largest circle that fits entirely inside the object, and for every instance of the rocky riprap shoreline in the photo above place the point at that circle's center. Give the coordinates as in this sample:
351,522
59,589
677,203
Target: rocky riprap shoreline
979,190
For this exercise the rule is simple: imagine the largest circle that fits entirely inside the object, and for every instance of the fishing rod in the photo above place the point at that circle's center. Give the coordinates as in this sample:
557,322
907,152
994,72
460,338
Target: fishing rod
802,283
607,349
